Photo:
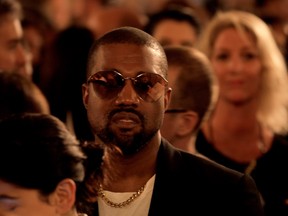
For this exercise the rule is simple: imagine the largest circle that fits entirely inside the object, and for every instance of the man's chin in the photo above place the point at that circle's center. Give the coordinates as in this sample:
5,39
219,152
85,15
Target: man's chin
129,145
130,150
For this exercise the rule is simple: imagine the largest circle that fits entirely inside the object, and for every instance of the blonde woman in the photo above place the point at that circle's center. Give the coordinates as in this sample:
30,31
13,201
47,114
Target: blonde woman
245,128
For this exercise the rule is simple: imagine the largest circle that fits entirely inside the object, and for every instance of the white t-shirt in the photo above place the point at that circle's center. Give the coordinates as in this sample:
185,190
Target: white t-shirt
140,206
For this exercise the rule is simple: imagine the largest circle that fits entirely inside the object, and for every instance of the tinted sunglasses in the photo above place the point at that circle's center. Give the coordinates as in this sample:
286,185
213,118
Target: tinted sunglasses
108,84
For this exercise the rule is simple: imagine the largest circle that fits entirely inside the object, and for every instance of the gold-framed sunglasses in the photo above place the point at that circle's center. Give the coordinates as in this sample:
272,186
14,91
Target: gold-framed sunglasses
108,84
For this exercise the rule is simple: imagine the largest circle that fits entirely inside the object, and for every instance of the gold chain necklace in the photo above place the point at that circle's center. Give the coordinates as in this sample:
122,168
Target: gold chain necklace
122,204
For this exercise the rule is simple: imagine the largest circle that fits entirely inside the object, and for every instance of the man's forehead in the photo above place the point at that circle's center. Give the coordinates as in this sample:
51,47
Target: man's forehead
128,52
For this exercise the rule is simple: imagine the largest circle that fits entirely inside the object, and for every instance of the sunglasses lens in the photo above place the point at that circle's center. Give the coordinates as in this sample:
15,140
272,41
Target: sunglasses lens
150,86
107,84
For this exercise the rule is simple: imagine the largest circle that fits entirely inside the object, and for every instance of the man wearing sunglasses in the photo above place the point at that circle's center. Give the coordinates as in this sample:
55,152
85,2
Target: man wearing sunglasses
126,95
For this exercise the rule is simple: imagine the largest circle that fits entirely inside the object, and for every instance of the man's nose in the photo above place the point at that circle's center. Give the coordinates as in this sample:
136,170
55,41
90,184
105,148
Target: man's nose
128,95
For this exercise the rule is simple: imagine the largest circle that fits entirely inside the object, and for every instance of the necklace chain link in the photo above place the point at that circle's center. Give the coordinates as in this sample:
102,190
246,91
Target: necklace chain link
121,204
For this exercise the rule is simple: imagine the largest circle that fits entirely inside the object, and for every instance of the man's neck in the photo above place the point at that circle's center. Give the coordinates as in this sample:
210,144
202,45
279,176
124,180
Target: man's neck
122,173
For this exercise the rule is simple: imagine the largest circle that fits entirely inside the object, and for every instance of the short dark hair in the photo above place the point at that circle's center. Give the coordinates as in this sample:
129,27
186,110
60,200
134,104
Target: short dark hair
37,152
193,89
19,94
174,13
128,35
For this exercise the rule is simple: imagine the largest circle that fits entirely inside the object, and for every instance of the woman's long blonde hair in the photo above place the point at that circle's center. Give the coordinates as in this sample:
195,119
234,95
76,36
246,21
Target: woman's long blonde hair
272,111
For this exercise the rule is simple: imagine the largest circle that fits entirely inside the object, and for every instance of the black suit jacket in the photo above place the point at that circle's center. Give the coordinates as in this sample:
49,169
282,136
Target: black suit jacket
186,184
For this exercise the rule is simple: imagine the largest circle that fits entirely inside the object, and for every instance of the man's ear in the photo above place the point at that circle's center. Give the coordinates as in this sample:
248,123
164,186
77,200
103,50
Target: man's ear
64,196
188,123
167,98
85,94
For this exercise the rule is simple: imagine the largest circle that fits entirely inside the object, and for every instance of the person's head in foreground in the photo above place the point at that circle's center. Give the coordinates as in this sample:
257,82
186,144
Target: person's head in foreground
19,94
41,165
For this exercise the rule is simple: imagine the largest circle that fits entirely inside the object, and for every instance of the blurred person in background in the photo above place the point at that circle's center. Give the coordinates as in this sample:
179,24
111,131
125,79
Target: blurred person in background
245,130
174,26
19,94
14,56
38,34
111,17
275,14
193,95
63,75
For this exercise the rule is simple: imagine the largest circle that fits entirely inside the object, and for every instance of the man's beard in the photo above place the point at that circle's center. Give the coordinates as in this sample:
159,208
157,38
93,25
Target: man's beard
129,145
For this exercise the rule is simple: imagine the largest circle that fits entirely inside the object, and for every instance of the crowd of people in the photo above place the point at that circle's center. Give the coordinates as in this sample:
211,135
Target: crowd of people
174,108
